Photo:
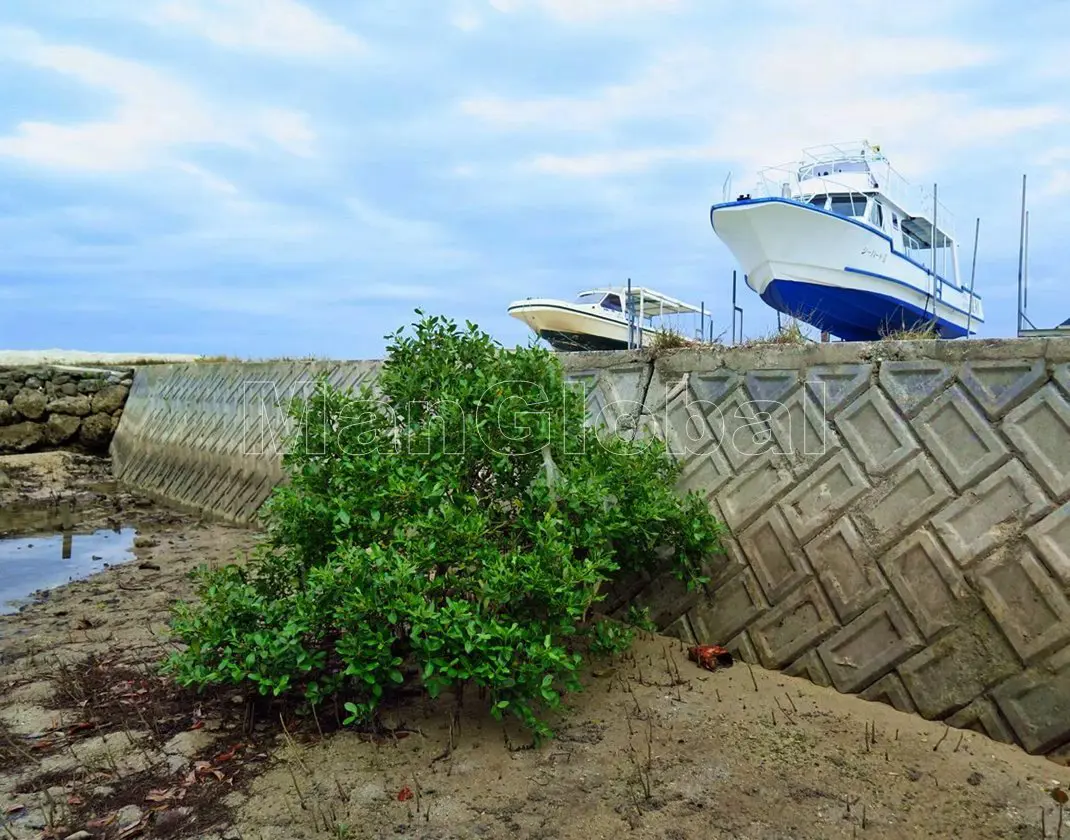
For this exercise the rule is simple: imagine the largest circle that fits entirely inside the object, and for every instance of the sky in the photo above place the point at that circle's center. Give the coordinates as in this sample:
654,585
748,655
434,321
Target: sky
259,178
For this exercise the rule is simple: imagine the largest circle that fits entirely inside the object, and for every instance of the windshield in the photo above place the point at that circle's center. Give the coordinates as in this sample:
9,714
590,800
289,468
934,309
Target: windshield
848,205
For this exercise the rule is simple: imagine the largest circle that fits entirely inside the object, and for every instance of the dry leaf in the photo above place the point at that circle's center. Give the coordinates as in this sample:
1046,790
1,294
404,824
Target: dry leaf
160,795
132,830
229,754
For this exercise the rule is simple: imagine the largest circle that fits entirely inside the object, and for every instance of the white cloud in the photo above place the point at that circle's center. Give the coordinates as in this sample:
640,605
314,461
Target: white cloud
1057,185
277,27
466,18
801,92
587,11
153,114
620,162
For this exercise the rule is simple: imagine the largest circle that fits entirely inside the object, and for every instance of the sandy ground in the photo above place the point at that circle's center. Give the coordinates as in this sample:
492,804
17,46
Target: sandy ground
92,739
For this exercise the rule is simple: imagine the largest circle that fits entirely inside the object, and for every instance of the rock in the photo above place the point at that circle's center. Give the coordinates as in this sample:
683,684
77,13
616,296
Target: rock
9,392
149,567
232,834
109,400
20,437
168,822
974,779
187,744
5,482
79,406
145,542
69,389
89,386
30,404
8,415
33,382
36,820
80,835
96,431
103,792
128,815
60,428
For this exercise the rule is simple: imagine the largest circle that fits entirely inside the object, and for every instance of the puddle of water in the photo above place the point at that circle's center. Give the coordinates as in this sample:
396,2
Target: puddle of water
44,561
27,518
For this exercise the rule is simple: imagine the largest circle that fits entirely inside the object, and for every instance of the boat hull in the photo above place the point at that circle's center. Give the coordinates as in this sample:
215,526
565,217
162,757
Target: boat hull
837,274
566,327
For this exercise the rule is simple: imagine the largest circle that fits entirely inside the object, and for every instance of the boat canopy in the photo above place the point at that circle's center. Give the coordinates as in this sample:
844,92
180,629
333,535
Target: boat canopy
653,301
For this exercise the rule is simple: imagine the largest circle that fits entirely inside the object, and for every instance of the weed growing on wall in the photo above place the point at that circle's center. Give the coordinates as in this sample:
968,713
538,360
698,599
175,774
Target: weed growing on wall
452,527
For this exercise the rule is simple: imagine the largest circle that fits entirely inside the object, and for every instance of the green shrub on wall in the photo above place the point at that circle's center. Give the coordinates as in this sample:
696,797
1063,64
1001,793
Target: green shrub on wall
456,526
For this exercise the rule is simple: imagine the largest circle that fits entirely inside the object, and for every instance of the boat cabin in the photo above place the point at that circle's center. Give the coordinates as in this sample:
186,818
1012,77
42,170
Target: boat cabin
836,188
606,300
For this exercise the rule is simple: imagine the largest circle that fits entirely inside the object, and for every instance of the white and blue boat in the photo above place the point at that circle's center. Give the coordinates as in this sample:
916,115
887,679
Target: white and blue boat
841,241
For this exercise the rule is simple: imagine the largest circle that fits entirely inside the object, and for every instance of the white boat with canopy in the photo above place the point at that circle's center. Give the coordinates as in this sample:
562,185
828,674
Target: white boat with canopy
598,319
841,241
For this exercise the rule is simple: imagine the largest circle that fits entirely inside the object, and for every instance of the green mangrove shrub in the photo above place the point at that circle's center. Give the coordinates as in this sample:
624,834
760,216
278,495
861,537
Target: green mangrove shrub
451,526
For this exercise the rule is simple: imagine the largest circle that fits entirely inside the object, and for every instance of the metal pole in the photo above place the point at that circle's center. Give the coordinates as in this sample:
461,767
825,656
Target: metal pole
701,320
1021,257
1025,272
932,246
741,316
734,307
631,319
973,275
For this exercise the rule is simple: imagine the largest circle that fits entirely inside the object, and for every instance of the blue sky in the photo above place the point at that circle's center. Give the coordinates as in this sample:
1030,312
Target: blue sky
267,177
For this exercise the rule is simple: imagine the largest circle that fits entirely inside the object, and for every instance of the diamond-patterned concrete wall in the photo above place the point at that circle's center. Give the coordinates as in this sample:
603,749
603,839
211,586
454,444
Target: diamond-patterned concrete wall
899,520
899,513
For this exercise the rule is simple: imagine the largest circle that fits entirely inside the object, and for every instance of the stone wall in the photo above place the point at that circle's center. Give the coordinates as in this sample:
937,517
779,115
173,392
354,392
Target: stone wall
47,407
899,513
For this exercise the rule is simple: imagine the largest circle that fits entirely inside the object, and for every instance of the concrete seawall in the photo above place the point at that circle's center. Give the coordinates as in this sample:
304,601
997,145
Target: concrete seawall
899,512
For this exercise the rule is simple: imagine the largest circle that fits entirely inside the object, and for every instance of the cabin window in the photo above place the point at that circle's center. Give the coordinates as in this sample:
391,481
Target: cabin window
848,205
878,215
612,302
819,200
895,221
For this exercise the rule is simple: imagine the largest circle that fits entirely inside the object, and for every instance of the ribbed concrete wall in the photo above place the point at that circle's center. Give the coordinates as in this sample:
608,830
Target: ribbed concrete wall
210,436
899,513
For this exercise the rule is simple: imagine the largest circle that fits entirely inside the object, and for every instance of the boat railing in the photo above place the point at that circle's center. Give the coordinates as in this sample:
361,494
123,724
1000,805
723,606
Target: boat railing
911,199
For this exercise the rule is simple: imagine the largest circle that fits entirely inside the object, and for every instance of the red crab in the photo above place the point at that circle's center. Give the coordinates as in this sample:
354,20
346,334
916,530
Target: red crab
710,657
